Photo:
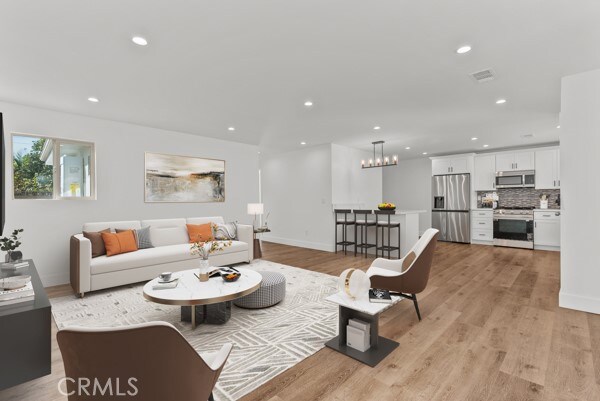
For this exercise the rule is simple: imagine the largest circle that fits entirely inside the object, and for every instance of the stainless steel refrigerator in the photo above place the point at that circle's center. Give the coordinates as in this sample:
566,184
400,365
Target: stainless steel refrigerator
450,208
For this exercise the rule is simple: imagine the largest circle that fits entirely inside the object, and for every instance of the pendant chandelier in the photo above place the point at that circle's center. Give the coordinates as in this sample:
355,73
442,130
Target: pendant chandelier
381,160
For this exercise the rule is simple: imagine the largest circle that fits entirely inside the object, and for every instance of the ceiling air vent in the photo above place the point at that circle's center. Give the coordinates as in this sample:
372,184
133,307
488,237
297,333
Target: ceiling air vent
483,75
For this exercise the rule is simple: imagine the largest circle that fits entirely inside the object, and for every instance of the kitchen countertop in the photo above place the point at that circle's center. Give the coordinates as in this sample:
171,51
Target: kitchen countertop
546,210
484,209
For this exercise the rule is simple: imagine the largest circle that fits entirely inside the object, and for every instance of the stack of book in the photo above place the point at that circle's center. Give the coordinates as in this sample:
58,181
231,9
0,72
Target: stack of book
358,335
165,285
15,265
17,296
380,296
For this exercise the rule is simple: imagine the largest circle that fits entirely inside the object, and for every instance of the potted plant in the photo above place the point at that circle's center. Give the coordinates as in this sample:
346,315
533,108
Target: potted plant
10,245
203,249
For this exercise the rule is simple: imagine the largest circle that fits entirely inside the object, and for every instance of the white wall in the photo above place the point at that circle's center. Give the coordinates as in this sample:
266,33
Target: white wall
408,186
580,189
351,184
296,190
120,151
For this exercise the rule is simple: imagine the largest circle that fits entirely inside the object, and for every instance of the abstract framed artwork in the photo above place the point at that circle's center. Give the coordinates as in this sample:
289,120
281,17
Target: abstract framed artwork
172,178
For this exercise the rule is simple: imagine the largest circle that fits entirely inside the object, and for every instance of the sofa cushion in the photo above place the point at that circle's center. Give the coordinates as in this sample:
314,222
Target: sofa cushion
123,225
200,232
98,248
155,256
166,232
117,243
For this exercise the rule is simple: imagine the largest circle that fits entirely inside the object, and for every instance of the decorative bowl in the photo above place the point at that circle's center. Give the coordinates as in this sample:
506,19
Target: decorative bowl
230,277
387,208
14,282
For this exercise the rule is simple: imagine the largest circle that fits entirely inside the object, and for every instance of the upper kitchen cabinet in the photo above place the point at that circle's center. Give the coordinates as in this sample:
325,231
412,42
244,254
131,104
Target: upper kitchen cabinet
485,173
547,169
515,161
459,164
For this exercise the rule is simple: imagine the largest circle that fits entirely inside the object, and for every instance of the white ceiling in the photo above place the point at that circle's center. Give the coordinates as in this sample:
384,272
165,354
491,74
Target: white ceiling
252,64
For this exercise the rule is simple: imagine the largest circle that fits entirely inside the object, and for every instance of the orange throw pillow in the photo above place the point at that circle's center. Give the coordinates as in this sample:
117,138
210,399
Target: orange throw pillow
200,232
122,242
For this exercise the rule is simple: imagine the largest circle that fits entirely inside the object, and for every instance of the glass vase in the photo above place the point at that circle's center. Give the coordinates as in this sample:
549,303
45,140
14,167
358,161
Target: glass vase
204,269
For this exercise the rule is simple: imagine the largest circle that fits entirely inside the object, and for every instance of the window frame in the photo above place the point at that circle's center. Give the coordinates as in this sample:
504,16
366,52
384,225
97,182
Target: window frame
56,193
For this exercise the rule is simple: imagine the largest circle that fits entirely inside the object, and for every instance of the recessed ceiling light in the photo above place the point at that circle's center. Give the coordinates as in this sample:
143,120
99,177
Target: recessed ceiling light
500,101
407,148
308,103
140,41
485,146
93,99
231,129
474,138
463,49
302,143
558,126
424,153
376,127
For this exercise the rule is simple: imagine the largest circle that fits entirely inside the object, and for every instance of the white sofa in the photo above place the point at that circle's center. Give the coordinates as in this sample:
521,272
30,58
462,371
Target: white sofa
171,252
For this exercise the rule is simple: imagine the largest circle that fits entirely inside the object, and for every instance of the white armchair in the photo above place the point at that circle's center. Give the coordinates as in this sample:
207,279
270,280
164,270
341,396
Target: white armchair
407,276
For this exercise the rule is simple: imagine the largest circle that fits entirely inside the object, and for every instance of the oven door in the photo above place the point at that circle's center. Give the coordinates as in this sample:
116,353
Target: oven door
513,229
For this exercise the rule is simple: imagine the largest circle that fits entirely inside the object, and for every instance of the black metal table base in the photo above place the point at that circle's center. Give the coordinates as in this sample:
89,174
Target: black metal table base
380,346
211,314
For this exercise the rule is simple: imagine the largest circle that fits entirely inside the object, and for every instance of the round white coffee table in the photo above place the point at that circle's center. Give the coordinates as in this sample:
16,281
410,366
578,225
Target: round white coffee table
191,292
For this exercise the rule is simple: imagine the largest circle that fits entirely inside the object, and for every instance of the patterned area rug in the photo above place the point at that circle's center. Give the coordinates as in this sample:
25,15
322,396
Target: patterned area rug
266,341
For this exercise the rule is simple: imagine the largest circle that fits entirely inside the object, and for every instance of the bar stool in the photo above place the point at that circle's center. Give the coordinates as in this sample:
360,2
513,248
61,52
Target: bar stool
362,221
383,224
345,222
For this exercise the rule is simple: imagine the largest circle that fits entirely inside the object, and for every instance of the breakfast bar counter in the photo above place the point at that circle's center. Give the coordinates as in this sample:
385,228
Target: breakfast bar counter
409,228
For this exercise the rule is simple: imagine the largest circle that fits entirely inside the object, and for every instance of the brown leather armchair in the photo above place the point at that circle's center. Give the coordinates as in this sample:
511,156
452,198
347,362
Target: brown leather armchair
407,276
148,361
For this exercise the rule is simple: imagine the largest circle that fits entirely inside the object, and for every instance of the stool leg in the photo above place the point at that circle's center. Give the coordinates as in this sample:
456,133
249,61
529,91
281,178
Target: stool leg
389,242
344,235
399,243
336,230
376,241
355,239
366,240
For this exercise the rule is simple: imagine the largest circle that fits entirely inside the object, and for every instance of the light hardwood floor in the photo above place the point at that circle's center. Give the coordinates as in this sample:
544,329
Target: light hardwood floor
491,330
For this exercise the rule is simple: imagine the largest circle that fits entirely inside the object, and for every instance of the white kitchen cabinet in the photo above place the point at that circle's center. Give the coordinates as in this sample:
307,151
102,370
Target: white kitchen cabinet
485,173
457,165
515,161
547,169
440,166
482,227
546,230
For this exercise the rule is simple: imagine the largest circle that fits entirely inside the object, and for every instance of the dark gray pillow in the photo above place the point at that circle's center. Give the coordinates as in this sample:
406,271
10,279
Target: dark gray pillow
225,232
142,237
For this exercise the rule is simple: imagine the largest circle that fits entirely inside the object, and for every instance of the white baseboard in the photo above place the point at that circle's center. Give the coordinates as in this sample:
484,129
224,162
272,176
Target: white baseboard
577,302
50,280
302,244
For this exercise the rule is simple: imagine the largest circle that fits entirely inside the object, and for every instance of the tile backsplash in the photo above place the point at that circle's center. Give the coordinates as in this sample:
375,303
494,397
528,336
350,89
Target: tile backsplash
523,197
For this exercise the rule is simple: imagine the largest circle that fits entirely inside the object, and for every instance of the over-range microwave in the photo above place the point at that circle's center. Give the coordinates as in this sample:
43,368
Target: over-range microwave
515,179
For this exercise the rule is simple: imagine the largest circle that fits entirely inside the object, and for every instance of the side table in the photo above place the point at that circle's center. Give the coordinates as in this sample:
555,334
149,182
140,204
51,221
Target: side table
367,312
257,247
25,334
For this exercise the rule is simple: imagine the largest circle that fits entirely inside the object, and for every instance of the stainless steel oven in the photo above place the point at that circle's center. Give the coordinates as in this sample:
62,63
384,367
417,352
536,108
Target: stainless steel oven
513,228
515,179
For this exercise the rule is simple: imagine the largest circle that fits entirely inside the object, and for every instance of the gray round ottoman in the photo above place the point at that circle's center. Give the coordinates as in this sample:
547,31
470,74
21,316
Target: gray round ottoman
271,292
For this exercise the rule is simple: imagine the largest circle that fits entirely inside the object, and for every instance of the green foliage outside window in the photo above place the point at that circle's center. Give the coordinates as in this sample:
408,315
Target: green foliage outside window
32,177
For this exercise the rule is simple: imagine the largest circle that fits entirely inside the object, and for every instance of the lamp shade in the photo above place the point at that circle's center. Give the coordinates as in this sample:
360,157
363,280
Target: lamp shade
256,208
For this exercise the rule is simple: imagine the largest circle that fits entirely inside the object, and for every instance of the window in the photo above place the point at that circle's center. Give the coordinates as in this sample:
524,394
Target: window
52,168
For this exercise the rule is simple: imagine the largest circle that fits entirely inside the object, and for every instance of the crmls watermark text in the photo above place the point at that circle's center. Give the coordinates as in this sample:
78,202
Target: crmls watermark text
95,387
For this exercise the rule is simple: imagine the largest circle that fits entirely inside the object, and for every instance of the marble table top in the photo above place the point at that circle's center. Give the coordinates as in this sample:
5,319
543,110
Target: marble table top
362,305
191,291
